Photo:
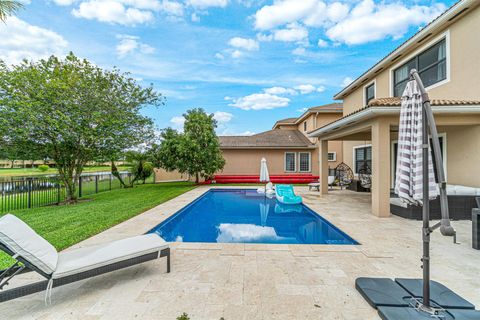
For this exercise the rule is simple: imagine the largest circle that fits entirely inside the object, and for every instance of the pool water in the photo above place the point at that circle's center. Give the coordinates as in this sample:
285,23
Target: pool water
245,216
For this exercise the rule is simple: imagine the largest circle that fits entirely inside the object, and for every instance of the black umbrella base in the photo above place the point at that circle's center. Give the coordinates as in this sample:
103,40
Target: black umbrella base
408,313
395,300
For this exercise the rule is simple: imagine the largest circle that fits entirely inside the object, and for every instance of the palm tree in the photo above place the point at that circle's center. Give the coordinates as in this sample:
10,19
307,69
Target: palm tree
8,7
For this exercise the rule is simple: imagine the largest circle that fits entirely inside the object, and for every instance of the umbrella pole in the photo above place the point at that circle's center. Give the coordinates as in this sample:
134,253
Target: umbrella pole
426,214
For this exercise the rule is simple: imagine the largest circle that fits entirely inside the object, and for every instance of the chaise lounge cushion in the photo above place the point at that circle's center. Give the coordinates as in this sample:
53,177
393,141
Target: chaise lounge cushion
22,240
88,258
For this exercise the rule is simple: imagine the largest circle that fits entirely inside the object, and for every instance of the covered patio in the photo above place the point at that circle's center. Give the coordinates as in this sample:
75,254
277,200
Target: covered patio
458,123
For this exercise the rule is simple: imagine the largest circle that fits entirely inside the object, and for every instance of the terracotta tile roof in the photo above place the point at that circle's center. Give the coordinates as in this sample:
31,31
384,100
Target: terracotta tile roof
396,102
327,108
332,107
268,139
287,120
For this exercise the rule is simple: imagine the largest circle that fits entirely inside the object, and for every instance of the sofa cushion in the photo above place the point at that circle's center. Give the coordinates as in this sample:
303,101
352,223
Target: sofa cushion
88,258
22,240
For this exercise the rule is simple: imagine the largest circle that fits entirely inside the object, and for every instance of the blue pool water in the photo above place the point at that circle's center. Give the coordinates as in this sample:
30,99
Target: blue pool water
244,216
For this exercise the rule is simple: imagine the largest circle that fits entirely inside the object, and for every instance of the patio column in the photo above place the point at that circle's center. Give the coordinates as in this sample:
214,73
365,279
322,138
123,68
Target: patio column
323,156
381,168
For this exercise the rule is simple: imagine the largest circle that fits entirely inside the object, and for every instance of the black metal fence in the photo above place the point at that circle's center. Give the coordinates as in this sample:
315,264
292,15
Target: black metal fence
31,192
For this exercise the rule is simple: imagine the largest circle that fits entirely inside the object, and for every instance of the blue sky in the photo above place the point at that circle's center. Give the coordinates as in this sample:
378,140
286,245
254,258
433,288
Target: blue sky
249,62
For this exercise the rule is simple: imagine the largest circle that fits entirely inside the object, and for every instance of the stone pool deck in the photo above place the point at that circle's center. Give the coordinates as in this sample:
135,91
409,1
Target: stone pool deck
255,281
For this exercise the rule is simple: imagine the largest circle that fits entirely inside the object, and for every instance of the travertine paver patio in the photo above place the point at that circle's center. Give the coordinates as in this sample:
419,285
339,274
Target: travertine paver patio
248,281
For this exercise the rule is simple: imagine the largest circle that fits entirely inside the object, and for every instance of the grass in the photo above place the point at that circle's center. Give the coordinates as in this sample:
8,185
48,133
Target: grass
38,198
64,226
9,172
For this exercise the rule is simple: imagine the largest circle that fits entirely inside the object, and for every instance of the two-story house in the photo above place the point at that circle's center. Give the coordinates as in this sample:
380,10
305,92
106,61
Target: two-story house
447,55
288,149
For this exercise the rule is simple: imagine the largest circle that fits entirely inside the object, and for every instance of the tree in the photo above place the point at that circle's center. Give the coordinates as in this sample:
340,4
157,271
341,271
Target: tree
196,151
8,7
74,112
141,168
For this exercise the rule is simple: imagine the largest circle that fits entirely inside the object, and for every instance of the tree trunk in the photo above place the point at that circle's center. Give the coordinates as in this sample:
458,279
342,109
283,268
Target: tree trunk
197,178
116,174
71,188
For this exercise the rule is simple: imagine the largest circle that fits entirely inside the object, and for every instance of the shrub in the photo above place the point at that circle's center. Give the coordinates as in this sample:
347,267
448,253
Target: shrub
43,167
184,316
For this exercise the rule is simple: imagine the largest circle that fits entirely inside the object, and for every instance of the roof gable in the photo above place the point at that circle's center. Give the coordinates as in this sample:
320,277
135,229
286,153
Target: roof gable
268,139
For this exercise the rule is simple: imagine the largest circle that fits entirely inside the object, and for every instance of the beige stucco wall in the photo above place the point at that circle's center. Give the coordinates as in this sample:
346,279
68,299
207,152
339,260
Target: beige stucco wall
162,176
463,155
464,82
247,161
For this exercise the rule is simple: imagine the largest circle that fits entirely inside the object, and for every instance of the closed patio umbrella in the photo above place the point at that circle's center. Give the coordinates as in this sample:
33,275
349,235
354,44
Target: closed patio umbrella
264,176
415,180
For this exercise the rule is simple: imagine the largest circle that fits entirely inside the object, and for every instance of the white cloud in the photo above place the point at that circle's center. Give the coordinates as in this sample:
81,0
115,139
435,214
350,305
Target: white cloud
306,88
282,12
219,56
293,33
302,110
264,37
172,8
280,91
260,101
321,89
236,54
346,81
131,44
222,117
64,2
243,43
112,11
366,21
369,22
300,51
195,17
178,122
21,40
322,43
203,4
337,11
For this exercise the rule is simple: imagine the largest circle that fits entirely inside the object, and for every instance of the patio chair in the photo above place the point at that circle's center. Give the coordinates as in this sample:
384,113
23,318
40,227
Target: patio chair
343,175
34,253
316,185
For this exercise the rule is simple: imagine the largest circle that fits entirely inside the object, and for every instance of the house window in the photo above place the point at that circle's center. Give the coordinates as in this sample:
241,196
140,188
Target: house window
363,158
290,164
430,64
332,156
304,161
369,93
305,126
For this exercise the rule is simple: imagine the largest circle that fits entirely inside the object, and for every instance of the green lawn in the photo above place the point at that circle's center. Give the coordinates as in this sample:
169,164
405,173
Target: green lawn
64,226
7,172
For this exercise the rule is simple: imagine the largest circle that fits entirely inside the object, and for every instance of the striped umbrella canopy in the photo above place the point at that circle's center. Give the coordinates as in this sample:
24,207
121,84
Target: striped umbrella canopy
409,178
264,176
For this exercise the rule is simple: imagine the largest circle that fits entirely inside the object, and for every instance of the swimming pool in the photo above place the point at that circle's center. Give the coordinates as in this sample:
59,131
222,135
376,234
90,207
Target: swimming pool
244,216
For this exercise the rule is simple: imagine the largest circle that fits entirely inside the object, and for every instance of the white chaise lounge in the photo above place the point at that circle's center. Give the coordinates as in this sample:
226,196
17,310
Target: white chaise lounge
34,253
